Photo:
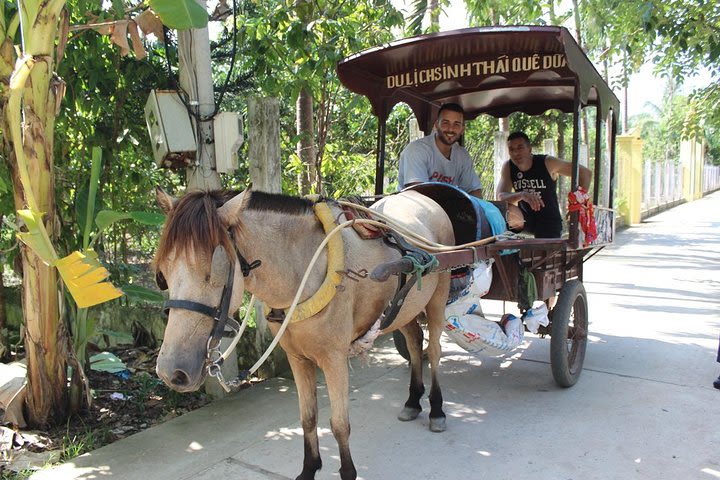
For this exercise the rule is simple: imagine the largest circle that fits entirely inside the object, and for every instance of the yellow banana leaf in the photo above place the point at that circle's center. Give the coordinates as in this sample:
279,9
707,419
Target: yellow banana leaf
84,277
81,271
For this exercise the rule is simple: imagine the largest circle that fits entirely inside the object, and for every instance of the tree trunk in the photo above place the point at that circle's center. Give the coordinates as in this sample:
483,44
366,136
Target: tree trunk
304,125
504,124
4,350
306,144
625,94
434,9
46,341
7,62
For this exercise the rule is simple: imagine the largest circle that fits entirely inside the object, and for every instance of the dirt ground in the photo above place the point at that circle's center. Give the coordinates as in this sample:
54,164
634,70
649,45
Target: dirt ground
123,404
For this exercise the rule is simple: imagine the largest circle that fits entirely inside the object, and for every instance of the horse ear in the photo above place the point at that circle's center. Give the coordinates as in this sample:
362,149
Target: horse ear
165,200
220,267
230,211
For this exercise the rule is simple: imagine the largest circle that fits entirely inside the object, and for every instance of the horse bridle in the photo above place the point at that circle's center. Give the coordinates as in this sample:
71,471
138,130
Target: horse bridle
219,314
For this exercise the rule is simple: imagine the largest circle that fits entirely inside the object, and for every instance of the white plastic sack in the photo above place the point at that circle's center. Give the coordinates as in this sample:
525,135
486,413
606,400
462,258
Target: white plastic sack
481,278
466,326
535,317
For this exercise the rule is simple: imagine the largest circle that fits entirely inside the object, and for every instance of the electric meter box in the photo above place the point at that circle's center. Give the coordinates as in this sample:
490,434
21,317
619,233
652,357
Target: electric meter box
171,132
228,132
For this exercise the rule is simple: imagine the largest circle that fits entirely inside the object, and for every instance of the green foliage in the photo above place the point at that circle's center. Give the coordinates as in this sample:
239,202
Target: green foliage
662,130
105,218
180,14
74,445
503,12
480,143
685,33
289,49
140,293
103,107
419,9
146,386
347,173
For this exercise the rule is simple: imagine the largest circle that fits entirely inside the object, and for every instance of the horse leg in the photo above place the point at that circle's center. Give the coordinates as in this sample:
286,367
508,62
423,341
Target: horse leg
306,383
413,339
338,385
436,313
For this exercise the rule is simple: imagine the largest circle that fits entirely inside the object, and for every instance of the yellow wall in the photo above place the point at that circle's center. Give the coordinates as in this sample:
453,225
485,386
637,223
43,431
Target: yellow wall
692,158
629,161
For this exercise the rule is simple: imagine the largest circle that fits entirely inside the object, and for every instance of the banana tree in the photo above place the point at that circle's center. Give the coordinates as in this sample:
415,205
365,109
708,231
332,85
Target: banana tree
83,272
30,98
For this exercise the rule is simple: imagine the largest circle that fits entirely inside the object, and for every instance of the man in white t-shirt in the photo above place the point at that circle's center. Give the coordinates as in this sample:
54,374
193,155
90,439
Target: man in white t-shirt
438,157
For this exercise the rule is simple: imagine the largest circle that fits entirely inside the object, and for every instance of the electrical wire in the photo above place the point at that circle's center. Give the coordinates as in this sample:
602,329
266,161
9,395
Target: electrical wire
233,57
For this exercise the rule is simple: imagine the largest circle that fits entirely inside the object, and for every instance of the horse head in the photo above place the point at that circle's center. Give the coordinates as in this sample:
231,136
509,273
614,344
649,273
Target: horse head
199,265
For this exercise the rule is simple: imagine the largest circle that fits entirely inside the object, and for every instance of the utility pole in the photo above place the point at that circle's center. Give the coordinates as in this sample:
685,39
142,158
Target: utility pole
196,80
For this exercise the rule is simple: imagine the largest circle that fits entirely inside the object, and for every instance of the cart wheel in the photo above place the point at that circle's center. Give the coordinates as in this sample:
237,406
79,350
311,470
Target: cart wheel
401,345
569,329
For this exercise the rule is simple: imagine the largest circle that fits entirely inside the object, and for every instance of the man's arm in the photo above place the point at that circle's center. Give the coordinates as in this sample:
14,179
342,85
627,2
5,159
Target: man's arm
504,191
476,193
467,178
555,166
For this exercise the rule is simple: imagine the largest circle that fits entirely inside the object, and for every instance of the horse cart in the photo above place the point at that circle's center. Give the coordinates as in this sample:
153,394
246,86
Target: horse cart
217,245
498,71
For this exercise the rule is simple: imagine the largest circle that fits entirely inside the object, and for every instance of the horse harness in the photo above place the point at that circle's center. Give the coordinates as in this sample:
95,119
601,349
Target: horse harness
220,313
225,326
422,261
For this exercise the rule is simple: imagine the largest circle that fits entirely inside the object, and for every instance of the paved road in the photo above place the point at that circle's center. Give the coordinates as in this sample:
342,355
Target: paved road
644,407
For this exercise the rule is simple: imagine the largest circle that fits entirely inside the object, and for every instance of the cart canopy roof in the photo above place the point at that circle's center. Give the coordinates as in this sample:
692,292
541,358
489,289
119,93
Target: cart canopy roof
492,70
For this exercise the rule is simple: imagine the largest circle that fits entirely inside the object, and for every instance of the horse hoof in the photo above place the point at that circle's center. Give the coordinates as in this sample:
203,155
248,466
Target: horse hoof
437,424
408,414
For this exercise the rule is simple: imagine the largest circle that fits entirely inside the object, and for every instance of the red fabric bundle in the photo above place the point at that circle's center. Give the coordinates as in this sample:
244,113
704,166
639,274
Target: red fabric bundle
579,201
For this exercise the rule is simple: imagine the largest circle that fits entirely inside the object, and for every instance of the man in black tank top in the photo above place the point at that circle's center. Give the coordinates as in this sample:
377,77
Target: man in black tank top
530,182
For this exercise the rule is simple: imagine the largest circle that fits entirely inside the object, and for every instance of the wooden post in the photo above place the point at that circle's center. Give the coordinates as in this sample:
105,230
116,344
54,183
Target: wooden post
500,156
264,144
265,175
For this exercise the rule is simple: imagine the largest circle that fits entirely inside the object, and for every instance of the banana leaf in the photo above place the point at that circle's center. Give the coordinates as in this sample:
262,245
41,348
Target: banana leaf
136,292
105,218
85,277
37,237
180,14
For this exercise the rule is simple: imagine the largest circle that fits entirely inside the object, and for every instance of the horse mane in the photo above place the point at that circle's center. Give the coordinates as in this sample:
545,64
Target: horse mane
275,202
193,225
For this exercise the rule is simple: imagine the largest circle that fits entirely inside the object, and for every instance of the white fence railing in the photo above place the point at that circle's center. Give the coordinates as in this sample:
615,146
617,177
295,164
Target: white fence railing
662,184
711,178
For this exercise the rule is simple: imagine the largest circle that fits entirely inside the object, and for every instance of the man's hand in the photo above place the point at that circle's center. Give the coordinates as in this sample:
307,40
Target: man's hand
533,199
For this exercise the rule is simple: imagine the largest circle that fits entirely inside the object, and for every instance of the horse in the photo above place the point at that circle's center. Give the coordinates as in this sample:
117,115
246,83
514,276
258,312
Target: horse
270,239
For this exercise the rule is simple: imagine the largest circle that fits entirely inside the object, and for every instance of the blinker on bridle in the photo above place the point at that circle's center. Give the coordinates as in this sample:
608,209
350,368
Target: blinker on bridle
220,313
